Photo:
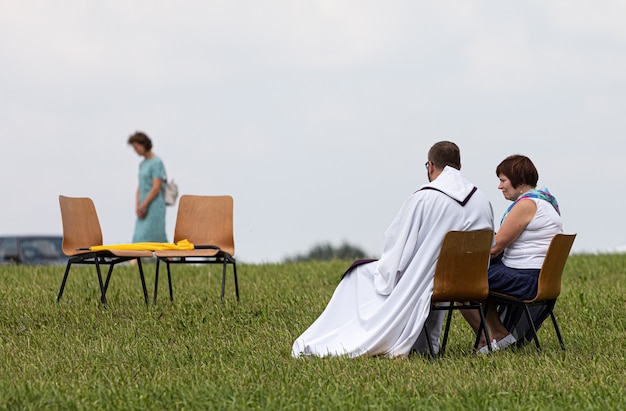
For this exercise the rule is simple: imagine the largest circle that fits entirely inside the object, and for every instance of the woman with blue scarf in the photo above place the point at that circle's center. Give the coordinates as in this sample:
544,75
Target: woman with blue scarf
520,246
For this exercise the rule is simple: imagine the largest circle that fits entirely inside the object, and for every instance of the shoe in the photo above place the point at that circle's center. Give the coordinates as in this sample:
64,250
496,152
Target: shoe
485,349
506,342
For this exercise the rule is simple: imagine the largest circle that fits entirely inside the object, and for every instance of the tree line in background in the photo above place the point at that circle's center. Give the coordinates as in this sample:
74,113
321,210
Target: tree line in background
327,252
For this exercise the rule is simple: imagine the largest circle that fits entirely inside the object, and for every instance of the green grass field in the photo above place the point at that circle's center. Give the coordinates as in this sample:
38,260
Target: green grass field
197,353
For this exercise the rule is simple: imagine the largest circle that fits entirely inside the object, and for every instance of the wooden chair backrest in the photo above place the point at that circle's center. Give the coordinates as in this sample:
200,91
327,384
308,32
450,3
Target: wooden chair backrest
206,220
461,271
81,227
549,286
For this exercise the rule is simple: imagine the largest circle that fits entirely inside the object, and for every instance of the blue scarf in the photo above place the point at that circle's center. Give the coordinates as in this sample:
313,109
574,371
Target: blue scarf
542,194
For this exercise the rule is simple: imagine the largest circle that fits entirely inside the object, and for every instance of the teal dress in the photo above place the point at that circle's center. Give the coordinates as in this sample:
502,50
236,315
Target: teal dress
152,227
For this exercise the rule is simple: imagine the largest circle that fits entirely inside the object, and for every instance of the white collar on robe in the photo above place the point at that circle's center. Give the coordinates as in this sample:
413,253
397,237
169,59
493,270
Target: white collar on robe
452,183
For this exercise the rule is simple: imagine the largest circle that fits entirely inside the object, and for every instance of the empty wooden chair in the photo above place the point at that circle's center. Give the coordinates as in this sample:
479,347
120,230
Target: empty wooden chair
207,222
81,230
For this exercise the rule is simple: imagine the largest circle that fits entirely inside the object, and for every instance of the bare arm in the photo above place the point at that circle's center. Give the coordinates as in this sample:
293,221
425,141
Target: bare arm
142,208
521,214
140,213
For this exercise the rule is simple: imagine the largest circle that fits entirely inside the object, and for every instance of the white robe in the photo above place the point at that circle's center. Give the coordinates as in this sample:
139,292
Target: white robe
379,308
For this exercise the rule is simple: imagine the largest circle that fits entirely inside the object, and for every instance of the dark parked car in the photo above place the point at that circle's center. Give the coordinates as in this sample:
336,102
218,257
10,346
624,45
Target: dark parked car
32,249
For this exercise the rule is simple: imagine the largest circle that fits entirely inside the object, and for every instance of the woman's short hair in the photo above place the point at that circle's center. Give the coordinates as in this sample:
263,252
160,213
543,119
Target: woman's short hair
141,138
445,153
519,170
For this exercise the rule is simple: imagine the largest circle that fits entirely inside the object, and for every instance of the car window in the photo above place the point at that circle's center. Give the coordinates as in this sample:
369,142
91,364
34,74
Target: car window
42,248
8,248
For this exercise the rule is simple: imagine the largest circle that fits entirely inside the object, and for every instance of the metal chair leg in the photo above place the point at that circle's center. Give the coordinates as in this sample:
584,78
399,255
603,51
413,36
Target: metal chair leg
236,283
103,290
483,328
532,325
106,284
442,349
556,326
169,280
431,349
223,279
156,280
67,271
143,281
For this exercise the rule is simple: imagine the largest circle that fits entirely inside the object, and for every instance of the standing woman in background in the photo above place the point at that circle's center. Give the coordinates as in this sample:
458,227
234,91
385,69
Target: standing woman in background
149,201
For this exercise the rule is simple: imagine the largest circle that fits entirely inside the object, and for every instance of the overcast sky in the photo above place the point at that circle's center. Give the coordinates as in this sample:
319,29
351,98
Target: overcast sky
316,116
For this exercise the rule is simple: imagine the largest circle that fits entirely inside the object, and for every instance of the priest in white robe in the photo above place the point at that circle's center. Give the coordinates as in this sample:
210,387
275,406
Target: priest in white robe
379,307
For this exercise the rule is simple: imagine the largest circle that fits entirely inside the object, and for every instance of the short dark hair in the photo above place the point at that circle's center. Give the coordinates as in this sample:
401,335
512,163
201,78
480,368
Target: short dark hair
141,138
519,170
445,153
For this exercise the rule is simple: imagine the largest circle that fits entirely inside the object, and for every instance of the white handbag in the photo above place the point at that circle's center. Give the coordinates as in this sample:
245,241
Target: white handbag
170,191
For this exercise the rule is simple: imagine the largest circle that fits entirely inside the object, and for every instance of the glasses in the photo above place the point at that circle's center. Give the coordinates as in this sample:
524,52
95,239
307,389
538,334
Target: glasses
427,164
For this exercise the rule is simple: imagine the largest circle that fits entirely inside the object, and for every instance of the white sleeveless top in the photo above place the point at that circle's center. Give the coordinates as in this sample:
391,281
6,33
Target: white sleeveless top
529,249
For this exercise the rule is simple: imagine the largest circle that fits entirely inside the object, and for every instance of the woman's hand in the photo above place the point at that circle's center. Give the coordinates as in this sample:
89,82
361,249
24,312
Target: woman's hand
141,211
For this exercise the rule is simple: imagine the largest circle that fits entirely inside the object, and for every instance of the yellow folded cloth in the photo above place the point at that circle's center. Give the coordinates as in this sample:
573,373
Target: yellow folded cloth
146,246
